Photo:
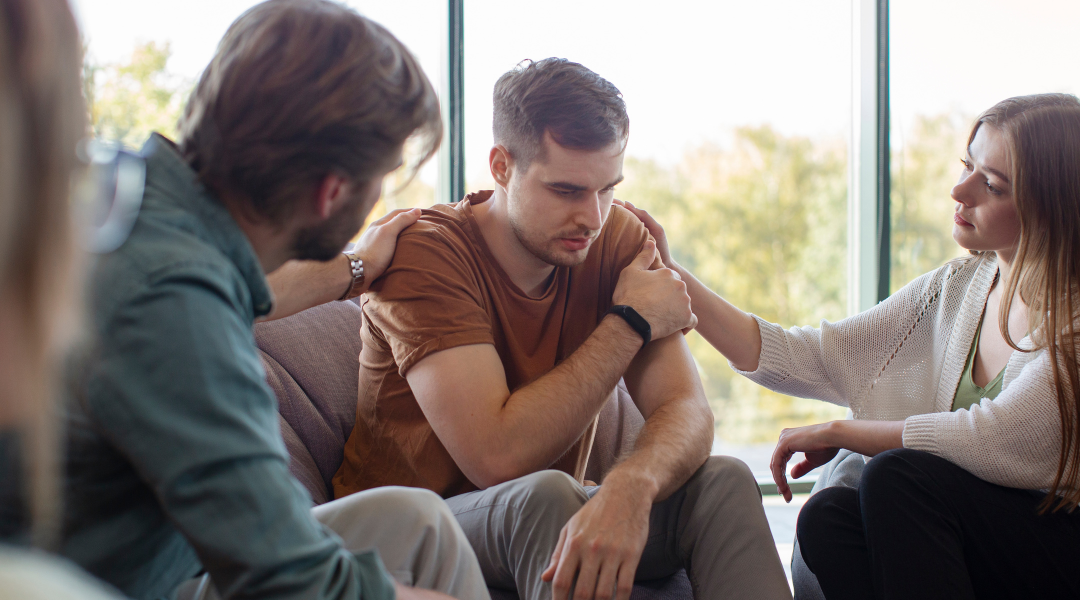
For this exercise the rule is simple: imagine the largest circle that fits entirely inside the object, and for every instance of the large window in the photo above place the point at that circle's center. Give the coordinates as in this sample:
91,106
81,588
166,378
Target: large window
739,115
949,62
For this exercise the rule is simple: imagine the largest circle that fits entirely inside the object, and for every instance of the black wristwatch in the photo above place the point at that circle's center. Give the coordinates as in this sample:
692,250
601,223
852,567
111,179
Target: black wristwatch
636,321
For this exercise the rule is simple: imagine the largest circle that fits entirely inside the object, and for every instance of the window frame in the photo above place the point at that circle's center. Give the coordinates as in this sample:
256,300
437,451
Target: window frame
869,182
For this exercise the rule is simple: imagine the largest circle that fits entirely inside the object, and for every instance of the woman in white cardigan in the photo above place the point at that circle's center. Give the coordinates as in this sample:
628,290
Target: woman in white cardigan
971,490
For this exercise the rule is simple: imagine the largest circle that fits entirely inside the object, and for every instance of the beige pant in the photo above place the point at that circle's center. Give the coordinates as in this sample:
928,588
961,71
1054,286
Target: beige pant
418,540
714,527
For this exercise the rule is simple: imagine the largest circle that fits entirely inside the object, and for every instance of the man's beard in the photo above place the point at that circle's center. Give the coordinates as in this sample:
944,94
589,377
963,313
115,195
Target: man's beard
326,240
541,248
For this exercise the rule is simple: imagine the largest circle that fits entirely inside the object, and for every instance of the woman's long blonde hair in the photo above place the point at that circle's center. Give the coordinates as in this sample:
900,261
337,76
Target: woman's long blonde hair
42,117
1043,134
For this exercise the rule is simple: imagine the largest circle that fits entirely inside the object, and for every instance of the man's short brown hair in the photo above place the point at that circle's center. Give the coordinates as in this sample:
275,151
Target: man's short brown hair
577,107
300,89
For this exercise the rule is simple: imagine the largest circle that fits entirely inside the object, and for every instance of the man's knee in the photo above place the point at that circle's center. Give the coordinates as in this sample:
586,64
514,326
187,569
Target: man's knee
424,505
420,507
724,473
550,493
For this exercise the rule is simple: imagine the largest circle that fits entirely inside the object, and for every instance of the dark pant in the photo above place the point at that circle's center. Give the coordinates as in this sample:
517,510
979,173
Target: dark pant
920,527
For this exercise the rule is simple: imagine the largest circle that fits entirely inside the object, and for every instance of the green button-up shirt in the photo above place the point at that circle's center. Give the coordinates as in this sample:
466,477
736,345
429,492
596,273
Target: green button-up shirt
176,461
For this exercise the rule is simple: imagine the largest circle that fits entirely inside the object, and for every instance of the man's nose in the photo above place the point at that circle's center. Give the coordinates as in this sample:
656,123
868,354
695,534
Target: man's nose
592,213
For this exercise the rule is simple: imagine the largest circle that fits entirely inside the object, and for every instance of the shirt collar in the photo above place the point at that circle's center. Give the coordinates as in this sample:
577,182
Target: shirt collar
178,184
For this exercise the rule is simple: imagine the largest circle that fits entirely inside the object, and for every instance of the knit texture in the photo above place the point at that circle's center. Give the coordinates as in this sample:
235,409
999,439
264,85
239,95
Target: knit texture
902,360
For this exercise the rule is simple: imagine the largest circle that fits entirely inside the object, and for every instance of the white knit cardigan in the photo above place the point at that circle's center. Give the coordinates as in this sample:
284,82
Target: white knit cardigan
902,360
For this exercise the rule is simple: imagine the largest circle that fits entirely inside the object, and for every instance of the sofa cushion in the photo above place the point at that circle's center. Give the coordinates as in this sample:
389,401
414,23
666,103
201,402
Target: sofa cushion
302,466
311,361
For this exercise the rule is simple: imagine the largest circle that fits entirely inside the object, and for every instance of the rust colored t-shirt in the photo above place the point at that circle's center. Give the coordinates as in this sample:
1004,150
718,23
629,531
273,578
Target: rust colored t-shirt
445,289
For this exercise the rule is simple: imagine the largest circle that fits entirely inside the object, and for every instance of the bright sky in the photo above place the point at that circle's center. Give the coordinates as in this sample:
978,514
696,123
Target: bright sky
690,70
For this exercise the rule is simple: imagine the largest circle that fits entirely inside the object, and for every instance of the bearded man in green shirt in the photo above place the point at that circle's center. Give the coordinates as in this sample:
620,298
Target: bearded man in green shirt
176,463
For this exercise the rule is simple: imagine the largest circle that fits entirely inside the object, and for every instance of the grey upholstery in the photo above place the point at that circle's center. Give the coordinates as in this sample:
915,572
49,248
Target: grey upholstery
311,365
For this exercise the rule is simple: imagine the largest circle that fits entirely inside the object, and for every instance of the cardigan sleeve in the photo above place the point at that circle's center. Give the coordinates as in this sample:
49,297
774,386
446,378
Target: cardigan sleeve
835,361
1013,440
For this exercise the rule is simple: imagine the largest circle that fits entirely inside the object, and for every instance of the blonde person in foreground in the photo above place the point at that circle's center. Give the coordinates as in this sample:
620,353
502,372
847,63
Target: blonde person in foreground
42,116
963,385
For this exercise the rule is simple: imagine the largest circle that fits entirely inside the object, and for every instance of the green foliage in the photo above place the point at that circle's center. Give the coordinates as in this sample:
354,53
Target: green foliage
763,223
925,167
130,100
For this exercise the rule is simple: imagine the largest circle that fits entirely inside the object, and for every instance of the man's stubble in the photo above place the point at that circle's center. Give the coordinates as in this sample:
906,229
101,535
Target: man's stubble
541,247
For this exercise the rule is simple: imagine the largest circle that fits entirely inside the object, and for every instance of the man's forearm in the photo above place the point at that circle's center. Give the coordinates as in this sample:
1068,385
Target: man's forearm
301,284
673,444
540,421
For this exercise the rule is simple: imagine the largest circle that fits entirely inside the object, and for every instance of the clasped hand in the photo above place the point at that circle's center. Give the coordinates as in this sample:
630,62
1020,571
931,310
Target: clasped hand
601,545
818,444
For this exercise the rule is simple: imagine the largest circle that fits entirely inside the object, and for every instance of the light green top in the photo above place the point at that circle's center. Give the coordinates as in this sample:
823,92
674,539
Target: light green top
967,393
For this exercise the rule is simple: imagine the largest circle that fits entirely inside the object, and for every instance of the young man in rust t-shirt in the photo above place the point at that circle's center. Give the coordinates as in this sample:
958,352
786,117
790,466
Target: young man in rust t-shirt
491,343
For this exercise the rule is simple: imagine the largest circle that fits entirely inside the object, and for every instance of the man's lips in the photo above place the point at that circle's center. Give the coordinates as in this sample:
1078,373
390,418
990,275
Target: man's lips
575,244
960,220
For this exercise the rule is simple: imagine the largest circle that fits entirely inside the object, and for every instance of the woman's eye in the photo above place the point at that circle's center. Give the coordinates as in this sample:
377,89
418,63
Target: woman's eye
993,190
966,163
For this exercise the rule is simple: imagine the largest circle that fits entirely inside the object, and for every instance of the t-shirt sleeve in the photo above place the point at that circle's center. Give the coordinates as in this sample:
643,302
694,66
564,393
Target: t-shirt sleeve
624,237
429,299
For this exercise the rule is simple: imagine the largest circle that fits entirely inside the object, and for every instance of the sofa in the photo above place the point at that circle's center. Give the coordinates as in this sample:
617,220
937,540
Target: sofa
311,365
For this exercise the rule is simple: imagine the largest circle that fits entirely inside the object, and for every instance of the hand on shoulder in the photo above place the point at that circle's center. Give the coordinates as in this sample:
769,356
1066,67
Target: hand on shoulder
658,295
377,245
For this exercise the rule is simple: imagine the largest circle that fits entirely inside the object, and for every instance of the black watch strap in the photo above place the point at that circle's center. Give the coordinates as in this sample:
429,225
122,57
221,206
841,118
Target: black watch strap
636,321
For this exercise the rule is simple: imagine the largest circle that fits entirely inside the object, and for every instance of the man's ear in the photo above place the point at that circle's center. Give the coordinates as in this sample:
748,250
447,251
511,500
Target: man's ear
501,164
332,191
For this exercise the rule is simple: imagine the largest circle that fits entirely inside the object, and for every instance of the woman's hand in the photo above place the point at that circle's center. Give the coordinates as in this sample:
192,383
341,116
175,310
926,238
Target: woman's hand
818,444
655,229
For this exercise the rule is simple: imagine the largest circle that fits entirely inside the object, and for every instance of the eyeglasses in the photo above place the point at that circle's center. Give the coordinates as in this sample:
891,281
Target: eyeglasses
108,194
